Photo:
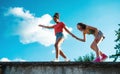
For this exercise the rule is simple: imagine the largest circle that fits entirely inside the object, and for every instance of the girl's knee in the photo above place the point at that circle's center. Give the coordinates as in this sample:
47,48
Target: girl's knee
92,46
56,45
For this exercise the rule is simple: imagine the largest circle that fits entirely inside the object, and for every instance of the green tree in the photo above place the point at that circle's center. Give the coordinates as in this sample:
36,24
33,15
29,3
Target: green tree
117,46
86,58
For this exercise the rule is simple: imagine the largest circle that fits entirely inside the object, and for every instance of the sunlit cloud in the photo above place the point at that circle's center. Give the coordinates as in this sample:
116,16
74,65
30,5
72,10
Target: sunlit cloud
14,60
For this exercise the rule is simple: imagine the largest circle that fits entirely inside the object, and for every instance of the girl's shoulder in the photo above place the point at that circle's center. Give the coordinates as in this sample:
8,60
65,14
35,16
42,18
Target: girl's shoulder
91,27
87,27
86,31
62,23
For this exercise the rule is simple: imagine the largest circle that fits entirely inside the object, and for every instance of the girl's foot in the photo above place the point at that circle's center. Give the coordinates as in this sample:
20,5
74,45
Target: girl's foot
104,57
55,60
97,59
67,60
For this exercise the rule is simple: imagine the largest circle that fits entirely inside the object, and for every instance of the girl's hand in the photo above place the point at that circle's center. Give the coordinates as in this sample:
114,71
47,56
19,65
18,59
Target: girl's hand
40,25
80,39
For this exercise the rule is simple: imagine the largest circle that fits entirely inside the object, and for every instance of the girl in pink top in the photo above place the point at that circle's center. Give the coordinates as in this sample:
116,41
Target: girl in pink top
58,29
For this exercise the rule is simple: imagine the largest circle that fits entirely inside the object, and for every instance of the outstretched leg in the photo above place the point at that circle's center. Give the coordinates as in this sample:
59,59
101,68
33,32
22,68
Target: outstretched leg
62,54
57,47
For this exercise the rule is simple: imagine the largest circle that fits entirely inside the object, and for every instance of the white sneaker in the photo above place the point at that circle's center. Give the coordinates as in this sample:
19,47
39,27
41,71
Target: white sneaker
55,60
67,60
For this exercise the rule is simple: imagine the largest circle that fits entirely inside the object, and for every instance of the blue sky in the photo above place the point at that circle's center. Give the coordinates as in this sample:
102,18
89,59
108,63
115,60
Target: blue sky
22,39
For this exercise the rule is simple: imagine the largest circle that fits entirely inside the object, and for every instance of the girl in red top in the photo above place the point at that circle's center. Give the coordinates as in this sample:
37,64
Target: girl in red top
58,29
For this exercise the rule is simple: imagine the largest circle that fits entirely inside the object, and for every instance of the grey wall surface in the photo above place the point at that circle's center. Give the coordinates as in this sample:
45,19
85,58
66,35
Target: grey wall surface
59,68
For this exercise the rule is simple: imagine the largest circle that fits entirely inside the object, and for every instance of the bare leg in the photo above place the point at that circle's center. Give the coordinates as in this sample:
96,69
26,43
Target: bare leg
57,47
62,54
94,46
101,39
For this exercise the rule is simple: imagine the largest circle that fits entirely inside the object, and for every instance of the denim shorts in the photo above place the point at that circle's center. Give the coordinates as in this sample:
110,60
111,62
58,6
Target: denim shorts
59,35
99,35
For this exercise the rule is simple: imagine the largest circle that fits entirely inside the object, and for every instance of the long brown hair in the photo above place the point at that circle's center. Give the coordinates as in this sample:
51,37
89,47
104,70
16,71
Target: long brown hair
83,26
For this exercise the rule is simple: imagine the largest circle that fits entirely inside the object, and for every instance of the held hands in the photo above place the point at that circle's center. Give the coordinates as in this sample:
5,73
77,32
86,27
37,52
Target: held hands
40,25
78,38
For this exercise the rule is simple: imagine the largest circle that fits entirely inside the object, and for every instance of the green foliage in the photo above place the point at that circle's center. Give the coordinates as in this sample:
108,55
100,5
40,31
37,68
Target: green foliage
86,58
117,46
118,39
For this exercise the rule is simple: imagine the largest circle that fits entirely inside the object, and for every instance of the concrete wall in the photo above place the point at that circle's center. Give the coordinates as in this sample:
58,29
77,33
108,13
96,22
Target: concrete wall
59,68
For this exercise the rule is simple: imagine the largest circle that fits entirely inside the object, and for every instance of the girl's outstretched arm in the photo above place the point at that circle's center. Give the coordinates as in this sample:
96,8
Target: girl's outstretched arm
45,26
72,34
84,38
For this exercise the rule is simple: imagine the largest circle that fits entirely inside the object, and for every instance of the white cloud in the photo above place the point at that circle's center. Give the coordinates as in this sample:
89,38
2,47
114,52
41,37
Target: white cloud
4,60
15,60
20,12
28,29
